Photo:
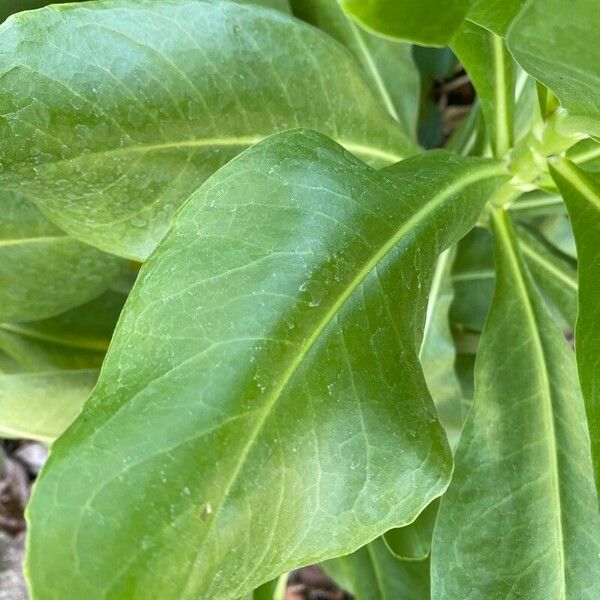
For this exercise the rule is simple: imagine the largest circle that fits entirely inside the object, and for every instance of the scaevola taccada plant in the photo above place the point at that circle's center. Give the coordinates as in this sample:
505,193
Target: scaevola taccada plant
340,347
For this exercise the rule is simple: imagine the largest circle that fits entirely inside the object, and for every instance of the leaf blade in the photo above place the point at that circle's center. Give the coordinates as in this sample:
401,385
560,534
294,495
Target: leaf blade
581,193
252,366
534,482
426,22
142,135
537,39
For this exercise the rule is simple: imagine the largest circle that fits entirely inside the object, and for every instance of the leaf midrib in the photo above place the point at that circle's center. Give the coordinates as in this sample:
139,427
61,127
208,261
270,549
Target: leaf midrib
419,216
37,240
547,265
373,69
544,381
232,141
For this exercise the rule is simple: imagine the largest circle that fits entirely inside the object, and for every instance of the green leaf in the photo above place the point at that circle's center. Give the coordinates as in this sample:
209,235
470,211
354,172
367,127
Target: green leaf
413,542
563,58
388,64
490,68
581,193
86,327
109,149
555,274
586,154
272,590
41,406
43,272
252,350
427,22
495,15
469,138
51,366
437,353
519,519
372,573
9,7
473,280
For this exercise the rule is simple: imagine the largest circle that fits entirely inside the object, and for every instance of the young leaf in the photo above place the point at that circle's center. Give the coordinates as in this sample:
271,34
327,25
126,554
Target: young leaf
261,376
43,272
519,518
495,15
426,22
581,193
372,573
564,59
490,68
110,148
388,64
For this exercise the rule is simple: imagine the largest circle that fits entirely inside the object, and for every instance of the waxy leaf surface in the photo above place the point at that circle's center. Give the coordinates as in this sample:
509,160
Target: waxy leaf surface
51,366
495,15
114,113
490,69
262,387
519,519
557,43
426,22
581,193
44,272
388,64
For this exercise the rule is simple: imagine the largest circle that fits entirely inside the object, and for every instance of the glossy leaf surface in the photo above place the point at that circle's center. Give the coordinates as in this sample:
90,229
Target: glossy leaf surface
491,71
427,22
564,58
495,15
523,481
388,64
109,148
250,350
372,573
53,366
582,197
41,406
554,273
437,352
44,272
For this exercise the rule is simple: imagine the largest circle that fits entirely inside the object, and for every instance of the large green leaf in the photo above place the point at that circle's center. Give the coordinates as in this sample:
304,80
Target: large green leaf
428,22
372,573
581,193
110,148
495,15
262,386
53,367
42,405
490,68
43,272
9,7
564,58
388,64
519,519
